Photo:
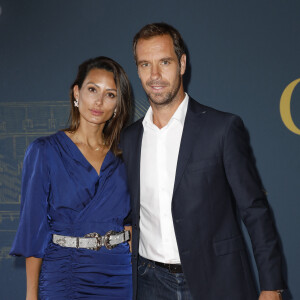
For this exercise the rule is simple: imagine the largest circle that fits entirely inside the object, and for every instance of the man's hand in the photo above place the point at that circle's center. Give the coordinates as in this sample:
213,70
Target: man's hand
270,295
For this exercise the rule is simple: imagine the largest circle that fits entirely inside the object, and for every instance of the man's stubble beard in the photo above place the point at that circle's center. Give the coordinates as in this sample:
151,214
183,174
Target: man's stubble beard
169,96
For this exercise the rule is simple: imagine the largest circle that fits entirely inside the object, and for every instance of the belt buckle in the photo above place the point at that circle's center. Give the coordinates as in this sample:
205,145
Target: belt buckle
107,239
174,269
99,240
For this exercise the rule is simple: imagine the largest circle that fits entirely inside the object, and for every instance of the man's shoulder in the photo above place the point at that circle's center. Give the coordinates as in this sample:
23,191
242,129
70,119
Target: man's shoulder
211,113
130,133
134,127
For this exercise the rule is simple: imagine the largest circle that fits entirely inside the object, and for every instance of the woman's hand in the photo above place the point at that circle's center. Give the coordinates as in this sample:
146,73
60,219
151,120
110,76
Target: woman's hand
130,229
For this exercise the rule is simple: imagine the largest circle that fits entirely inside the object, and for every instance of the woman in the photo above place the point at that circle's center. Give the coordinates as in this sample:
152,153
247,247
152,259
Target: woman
74,185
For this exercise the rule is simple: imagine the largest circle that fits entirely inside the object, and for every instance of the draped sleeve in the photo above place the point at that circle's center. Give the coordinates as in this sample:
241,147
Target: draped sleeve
33,233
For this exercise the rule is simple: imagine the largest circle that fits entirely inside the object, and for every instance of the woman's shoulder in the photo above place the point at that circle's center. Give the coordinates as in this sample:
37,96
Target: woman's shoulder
42,143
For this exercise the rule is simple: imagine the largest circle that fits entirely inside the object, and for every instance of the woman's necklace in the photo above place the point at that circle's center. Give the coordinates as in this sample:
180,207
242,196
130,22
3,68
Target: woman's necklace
96,149
99,147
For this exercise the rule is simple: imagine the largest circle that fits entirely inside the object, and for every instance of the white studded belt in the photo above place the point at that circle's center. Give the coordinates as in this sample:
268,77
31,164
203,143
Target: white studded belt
92,241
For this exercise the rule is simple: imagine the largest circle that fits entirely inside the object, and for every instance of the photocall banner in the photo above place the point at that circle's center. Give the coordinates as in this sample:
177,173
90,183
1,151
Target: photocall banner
242,57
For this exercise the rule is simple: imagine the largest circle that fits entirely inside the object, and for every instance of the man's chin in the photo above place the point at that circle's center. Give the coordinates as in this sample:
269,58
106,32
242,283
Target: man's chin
159,102
158,99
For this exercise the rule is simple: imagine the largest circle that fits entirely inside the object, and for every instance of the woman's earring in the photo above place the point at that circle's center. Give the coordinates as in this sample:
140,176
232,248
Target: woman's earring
76,104
115,112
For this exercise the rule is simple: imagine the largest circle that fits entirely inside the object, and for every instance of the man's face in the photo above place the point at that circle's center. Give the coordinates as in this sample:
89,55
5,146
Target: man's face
159,69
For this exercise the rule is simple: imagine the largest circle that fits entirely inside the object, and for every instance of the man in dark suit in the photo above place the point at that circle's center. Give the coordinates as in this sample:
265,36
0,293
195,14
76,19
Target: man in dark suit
191,176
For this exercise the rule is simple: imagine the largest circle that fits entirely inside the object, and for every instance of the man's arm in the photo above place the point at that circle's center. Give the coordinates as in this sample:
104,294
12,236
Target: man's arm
254,209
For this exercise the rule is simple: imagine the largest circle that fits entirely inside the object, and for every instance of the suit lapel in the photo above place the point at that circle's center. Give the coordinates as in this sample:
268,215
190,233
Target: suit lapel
191,125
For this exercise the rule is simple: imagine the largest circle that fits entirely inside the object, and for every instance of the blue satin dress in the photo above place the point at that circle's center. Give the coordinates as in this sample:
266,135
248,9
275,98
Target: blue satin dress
63,194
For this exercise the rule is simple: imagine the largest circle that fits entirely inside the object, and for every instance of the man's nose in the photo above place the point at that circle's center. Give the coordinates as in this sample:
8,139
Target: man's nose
155,72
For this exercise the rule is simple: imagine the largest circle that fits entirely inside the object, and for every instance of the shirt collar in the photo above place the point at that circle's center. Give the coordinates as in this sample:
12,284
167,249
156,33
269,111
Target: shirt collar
179,114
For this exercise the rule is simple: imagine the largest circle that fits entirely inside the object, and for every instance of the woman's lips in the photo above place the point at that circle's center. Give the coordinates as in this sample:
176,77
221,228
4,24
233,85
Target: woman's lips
96,112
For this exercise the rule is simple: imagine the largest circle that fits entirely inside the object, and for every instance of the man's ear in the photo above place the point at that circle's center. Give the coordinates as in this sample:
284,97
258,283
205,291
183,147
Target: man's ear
137,69
182,64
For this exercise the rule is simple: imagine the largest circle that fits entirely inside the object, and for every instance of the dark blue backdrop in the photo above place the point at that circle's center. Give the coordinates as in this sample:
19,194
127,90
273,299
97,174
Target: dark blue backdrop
242,55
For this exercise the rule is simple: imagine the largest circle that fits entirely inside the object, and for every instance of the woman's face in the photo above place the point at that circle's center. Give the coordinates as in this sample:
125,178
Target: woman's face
97,97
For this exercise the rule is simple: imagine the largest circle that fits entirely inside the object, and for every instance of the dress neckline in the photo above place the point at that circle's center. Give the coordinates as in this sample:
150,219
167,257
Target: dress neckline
78,155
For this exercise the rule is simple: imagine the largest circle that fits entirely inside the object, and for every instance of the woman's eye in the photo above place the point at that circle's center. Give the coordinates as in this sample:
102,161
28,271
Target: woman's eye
92,89
111,95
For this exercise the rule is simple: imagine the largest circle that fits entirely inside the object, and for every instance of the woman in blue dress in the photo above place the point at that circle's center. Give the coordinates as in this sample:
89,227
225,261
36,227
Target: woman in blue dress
75,197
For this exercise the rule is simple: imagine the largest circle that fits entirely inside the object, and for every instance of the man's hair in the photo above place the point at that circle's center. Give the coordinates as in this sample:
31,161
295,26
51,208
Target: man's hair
157,29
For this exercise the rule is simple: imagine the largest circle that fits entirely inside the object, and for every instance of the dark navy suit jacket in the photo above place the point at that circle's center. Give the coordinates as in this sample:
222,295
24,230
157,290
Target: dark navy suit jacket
216,184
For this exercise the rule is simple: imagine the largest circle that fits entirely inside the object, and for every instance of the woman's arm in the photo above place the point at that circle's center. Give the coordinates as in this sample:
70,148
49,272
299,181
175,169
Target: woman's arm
33,267
130,229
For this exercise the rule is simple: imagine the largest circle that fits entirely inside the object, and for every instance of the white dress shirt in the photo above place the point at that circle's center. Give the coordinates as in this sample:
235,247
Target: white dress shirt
159,154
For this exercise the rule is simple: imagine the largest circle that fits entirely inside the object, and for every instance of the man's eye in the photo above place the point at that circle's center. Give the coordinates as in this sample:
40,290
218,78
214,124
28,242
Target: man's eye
165,62
143,65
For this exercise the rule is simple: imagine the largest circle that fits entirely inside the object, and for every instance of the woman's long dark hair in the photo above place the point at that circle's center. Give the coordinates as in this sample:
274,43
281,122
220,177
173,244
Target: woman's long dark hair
113,127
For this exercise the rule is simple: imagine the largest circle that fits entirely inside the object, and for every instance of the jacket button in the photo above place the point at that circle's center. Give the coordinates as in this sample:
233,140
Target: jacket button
135,227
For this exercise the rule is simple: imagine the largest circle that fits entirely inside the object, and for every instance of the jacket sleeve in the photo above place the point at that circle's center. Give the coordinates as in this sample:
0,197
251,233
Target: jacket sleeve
253,205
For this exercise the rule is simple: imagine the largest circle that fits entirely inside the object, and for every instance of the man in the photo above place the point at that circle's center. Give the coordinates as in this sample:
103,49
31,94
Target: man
191,176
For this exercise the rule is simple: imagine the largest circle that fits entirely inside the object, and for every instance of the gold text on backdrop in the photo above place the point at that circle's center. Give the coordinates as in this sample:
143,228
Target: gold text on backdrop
285,107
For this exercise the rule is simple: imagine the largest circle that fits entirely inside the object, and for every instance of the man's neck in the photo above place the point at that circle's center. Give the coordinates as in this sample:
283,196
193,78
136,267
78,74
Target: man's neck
163,113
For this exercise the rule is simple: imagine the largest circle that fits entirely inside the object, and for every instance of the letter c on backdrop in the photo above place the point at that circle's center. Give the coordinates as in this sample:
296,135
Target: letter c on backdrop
285,107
